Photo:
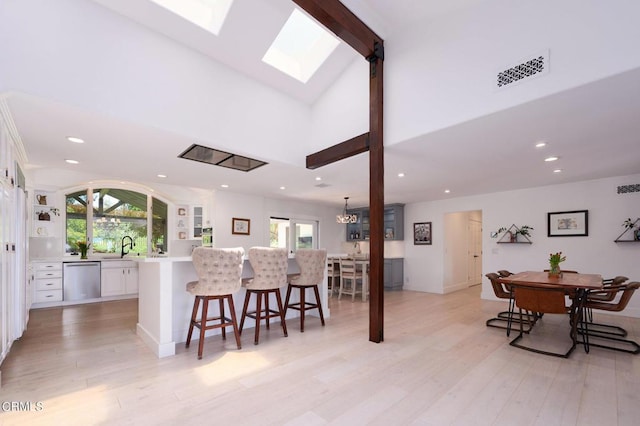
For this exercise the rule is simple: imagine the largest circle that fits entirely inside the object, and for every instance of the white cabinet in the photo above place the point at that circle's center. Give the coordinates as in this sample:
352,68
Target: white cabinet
47,282
189,221
119,278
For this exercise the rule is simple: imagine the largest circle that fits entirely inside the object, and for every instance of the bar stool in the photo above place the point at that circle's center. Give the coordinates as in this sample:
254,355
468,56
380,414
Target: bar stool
270,273
311,264
219,277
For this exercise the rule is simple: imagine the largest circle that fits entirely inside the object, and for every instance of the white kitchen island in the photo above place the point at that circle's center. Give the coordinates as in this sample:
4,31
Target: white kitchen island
164,306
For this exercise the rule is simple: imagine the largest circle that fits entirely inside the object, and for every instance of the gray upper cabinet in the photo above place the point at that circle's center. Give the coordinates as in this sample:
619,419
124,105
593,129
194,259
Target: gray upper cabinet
393,224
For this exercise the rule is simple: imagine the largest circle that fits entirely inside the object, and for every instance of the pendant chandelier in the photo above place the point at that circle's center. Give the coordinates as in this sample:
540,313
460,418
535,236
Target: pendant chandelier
345,217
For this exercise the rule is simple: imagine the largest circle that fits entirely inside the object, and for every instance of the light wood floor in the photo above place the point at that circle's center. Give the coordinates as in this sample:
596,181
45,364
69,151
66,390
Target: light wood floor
439,365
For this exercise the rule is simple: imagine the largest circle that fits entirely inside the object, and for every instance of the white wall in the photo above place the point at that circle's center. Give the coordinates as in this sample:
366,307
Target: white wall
597,253
79,53
259,209
442,72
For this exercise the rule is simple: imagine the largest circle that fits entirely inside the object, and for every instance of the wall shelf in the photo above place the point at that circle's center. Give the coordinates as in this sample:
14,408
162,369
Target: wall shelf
511,235
633,234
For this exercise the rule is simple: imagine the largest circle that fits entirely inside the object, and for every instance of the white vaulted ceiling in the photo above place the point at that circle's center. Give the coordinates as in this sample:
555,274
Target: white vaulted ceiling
140,85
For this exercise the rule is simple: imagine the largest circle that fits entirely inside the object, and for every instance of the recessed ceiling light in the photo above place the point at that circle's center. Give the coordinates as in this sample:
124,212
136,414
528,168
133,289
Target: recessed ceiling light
74,139
447,191
548,159
224,185
282,187
72,161
318,178
400,174
162,176
557,171
541,144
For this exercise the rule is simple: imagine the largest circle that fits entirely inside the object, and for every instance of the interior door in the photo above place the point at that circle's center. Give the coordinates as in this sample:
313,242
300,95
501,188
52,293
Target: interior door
475,252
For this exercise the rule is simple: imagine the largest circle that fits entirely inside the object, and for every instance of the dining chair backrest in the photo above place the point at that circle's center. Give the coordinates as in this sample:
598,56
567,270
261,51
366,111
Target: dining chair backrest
498,288
608,284
348,267
219,270
311,262
540,299
269,268
626,291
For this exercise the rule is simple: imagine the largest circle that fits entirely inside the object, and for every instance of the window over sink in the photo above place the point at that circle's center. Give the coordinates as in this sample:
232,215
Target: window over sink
114,214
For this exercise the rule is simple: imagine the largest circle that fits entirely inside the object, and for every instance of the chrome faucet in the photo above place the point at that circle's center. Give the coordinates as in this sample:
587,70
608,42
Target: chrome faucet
131,245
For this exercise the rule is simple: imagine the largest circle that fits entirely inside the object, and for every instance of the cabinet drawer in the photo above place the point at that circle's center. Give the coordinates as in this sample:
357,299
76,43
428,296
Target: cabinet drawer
48,296
47,266
48,274
49,284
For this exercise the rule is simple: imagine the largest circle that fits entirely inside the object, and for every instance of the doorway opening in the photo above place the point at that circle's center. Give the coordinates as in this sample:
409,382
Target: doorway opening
462,250
293,234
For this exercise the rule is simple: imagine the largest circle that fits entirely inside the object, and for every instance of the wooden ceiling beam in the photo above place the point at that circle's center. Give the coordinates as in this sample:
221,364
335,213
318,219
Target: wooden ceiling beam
338,152
342,22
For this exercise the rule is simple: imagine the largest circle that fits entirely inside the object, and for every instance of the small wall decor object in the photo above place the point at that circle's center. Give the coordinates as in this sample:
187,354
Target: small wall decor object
422,233
631,231
511,234
240,226
568,224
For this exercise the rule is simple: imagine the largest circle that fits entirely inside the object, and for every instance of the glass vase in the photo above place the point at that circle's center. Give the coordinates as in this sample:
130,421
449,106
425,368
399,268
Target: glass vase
554,271
83,254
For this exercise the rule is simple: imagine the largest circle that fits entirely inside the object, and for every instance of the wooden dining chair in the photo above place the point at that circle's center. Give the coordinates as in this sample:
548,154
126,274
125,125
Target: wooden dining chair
623,293
548,300
333,275
502,319
350,277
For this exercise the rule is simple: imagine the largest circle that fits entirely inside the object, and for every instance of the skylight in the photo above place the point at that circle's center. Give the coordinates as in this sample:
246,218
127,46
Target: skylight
208,14
301,47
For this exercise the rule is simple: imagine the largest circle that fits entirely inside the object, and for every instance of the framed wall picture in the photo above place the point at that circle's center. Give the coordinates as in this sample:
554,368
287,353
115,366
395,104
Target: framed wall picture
422,233
240,226
568,224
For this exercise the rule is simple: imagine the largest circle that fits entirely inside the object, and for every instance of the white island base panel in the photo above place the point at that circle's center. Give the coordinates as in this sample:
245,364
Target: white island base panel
164,305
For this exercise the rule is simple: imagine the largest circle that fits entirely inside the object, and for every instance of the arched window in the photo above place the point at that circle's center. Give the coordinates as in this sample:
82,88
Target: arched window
114,214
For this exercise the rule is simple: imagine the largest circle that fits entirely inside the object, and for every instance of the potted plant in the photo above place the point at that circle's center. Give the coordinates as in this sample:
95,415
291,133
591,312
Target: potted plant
524,230
554,264
83,246
631,225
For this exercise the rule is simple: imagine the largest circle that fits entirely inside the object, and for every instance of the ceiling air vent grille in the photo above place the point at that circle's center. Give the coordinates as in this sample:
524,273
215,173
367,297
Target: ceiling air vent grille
627,189
525,70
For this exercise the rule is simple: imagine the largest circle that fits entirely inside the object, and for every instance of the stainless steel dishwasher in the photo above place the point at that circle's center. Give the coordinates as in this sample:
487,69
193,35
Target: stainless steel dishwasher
81,280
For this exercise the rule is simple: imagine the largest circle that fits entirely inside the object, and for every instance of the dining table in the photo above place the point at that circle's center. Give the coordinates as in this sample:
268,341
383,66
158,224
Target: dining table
575,286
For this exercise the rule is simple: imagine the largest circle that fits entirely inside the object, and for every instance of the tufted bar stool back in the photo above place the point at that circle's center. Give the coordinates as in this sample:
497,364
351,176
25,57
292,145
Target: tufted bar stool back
219,277
312,268
270,273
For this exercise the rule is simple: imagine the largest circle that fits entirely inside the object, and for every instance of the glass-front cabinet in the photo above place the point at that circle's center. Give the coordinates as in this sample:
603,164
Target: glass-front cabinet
393,227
